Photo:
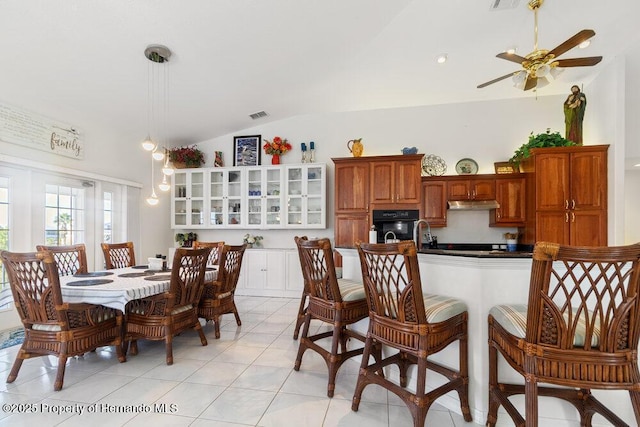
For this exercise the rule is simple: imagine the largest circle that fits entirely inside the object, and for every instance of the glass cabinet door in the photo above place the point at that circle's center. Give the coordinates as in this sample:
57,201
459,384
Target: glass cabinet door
295,195
216,197
188,207
315,200
234,199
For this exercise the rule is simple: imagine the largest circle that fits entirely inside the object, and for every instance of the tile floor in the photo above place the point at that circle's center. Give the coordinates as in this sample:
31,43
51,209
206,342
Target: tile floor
244,378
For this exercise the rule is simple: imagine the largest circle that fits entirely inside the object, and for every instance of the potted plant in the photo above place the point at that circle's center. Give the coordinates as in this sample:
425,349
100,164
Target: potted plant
189,157
541,140
276,148
186,239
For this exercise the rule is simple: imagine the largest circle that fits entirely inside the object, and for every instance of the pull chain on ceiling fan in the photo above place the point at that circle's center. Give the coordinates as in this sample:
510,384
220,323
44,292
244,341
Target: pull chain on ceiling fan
541,65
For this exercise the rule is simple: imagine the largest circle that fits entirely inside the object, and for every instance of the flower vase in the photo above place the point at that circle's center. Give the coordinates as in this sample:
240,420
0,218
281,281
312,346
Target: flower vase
275,159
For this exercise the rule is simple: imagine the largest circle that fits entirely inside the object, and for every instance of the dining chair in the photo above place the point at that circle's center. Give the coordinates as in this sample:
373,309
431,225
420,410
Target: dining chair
69,259
302,309
51,326
214,255
338,303
411,326
118,255
218,296
578,332
165,315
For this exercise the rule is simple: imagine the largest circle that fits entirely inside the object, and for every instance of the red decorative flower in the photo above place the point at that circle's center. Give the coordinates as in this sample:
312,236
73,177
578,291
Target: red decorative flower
276,146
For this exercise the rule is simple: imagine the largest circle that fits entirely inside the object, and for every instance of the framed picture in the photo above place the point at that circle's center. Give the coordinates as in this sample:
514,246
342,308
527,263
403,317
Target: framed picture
505,167
246,150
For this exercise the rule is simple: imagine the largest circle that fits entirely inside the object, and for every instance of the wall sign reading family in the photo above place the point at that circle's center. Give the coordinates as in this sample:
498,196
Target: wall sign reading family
24,128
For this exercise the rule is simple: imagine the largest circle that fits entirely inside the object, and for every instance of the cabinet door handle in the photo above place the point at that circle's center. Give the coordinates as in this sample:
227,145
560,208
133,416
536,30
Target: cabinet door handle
573,204
566,217
573,217
566,204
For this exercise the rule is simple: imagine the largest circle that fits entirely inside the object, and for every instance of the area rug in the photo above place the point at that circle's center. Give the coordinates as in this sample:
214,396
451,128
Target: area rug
11,337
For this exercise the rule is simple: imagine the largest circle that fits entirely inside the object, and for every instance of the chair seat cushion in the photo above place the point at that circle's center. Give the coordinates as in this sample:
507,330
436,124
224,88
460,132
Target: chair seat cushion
513,318
46,327
439,308
351,290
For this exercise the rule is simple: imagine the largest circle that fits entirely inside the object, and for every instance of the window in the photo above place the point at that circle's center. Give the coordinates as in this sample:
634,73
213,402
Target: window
107,216
64,215
4,228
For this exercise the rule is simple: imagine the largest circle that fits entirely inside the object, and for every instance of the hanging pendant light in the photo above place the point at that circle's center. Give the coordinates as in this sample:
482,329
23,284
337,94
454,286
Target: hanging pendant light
167,169
153,199
157,106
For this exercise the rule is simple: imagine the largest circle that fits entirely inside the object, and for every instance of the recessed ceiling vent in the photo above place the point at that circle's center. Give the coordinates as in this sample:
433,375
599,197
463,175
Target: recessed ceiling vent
503,4
258,115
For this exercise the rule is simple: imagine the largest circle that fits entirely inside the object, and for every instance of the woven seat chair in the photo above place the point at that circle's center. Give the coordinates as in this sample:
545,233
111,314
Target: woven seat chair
118,255
69,260
417,325
51,326
214,255
163,316
579,331
338,303
218,296
302,309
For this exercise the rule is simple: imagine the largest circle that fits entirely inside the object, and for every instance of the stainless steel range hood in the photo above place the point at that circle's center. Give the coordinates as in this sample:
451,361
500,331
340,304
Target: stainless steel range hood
473,204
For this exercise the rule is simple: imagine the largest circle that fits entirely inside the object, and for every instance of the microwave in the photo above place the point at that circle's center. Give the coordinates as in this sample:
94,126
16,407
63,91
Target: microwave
398,222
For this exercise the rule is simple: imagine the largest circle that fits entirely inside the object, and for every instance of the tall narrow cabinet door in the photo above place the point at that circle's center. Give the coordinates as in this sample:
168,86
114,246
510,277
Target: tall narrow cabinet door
382,188
352,178
552,181
588,180
434,202
351,228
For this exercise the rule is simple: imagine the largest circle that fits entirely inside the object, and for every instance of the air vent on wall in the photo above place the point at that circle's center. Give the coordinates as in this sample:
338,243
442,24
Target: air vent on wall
258,115
503,4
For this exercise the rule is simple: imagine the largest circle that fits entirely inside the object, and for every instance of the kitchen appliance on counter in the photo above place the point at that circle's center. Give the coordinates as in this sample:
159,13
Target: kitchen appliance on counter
398,222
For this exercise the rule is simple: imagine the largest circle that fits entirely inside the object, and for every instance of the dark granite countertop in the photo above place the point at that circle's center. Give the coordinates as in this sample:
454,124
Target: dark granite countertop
478,253
475,250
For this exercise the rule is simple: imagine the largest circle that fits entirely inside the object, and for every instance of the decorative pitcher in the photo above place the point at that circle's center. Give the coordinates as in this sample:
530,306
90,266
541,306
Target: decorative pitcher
355,147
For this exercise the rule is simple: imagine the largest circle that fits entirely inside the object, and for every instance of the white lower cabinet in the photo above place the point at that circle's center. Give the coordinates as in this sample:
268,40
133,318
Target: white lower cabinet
270,272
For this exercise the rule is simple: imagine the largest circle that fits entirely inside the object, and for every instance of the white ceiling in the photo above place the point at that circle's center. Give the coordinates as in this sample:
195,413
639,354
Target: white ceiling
82,61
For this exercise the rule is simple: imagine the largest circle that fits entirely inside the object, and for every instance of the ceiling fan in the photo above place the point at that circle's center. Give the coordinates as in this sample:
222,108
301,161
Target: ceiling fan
542,63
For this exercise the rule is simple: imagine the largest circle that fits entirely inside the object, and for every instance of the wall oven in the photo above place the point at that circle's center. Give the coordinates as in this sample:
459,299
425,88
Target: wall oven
395,224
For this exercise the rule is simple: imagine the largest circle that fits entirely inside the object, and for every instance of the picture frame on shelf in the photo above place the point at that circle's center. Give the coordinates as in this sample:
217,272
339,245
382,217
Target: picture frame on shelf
246,150
505,167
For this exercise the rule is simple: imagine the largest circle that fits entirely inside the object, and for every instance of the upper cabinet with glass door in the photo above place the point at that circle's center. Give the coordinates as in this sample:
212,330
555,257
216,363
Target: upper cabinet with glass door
265,195
188,197
306,196
226,200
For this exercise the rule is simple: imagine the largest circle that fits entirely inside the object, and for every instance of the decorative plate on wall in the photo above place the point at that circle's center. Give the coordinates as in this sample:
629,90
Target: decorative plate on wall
467,167
433,165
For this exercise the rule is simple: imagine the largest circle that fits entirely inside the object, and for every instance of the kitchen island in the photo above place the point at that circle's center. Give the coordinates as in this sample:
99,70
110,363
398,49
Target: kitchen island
482,280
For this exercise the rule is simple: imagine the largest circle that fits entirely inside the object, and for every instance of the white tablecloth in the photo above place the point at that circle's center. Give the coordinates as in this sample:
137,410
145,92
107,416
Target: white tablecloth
120,291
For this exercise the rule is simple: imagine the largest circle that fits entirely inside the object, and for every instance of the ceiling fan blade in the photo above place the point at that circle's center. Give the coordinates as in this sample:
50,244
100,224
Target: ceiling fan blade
530,83
495,80
511,57
572,42
578,62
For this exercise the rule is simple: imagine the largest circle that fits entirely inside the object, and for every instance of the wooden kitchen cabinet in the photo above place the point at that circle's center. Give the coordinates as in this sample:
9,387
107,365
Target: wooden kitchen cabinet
569,192
373,182
434,202
471,189
396,181
511,196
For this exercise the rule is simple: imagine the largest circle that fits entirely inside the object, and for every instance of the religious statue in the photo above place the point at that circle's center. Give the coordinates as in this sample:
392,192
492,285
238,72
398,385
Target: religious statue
574,108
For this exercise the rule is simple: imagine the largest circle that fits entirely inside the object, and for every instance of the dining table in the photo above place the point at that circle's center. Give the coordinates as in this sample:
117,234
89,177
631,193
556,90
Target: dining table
115,288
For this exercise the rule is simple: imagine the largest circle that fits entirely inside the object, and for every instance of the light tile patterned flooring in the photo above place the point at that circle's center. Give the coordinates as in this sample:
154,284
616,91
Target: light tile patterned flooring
244,378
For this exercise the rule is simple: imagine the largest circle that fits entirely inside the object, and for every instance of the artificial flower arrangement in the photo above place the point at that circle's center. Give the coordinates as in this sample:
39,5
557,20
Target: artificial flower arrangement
251,240
277,146
190,156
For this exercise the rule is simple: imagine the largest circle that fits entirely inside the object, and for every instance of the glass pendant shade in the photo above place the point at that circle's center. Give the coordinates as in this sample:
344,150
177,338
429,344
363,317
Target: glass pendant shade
164,185
157,155
148,144
153,199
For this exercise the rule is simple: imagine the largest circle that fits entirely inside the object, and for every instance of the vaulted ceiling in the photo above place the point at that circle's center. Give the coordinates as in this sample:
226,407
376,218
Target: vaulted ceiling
82,62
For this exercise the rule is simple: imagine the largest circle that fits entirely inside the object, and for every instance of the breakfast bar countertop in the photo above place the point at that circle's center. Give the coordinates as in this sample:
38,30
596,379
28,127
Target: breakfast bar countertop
474,253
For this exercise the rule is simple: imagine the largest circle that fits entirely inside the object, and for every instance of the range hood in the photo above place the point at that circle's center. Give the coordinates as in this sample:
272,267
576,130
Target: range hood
473,204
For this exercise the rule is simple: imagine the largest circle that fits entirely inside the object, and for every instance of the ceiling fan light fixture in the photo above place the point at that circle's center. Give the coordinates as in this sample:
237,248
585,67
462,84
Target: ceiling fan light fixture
519,78
543,70
511,50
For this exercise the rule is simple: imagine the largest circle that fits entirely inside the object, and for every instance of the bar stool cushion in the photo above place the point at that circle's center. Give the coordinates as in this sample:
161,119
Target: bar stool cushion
351,290
439,308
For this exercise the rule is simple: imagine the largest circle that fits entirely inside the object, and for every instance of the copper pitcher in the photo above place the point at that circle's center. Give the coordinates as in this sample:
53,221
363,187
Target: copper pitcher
355,147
